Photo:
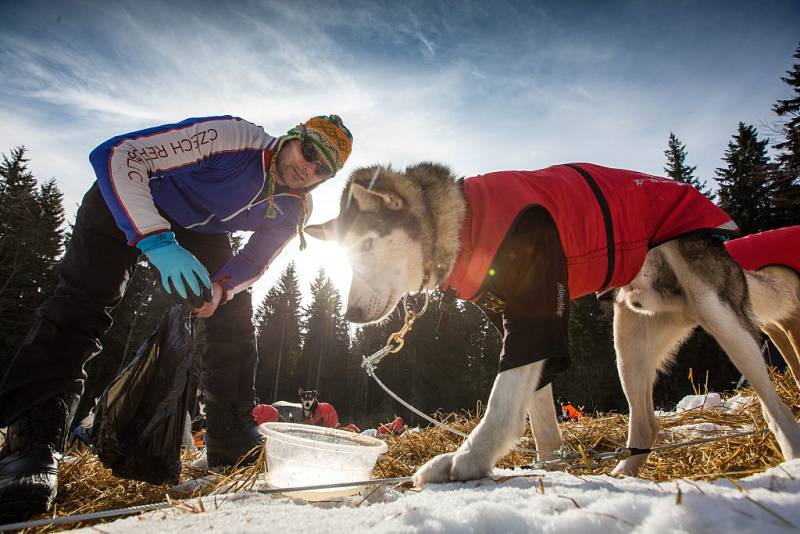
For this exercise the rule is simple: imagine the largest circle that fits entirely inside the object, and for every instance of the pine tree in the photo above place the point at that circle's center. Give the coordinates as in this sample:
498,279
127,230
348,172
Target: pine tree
679,170
786,178
369,404
30,245
744,188
278,332
50,235
326,344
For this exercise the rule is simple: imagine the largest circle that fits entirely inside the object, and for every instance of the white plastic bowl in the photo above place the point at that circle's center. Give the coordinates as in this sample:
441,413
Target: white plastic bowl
306,455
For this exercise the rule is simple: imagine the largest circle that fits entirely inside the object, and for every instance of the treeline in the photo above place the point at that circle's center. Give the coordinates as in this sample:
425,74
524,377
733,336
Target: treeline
450,358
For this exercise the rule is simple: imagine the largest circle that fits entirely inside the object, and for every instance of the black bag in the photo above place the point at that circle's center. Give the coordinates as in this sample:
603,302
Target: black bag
140,418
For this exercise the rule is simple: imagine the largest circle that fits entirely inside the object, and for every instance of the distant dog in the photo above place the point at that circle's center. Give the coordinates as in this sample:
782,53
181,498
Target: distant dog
315,412
521,244
772,259
310,401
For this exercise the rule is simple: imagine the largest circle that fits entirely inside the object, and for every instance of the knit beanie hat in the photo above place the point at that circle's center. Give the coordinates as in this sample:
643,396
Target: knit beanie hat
329,136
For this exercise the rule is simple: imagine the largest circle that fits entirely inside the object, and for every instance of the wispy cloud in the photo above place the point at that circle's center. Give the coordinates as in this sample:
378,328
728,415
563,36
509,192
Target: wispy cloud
479,86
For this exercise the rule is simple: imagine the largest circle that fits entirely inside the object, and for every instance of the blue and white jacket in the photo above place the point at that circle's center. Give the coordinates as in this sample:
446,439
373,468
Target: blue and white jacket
207,175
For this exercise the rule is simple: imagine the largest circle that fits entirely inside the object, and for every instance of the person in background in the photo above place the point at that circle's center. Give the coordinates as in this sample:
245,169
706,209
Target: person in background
172,193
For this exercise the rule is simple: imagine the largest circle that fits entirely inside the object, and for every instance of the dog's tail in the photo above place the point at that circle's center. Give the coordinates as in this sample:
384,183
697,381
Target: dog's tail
774,293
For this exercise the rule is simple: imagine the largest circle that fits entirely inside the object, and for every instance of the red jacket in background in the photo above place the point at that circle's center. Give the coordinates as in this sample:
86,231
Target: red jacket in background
264,413
607,220
324,416
773,247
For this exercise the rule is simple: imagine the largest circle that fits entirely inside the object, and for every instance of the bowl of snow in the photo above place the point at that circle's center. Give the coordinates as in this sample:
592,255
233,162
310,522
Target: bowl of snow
306,455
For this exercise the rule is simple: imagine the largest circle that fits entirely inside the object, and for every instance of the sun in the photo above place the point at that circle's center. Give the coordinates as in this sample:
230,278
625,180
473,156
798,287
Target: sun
327,255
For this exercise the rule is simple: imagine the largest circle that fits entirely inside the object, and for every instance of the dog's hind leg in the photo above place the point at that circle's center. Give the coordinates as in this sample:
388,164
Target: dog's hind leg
500,428
643,344
774,293
544,423
788,343
737,341
716,290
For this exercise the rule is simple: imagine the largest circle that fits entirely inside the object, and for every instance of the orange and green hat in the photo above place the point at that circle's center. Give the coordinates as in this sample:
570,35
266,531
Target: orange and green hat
330,137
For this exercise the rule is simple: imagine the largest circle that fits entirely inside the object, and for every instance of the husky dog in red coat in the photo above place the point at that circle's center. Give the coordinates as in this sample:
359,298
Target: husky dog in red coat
774,256
521,245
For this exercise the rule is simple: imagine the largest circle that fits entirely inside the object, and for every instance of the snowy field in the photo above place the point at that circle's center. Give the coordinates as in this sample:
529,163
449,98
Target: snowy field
513,500
538,502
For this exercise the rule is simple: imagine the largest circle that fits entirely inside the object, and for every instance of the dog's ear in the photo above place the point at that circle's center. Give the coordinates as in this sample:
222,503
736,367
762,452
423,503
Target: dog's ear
326,231
371,201
300,391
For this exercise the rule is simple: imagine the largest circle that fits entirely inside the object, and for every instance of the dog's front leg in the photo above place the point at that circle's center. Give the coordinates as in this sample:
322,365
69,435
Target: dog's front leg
495,434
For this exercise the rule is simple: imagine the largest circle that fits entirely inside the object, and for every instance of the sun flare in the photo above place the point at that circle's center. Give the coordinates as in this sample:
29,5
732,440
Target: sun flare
330,256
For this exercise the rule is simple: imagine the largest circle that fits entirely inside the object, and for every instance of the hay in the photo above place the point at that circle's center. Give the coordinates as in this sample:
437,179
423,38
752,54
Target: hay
730,458
86,486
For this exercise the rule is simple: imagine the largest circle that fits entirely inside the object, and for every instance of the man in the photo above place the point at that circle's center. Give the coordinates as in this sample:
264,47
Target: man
172,193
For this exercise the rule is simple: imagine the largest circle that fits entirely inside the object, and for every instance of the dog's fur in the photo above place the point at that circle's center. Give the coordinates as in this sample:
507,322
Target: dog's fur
396,225
779,319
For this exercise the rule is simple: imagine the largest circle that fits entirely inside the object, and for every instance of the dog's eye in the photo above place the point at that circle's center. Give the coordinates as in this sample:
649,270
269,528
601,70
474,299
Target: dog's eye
366,245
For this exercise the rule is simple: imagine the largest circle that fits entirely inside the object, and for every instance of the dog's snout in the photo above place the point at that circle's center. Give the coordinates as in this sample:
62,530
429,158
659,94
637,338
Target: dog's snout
355,315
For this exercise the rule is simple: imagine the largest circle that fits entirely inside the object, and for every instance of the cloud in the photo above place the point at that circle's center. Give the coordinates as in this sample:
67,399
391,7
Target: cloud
480,87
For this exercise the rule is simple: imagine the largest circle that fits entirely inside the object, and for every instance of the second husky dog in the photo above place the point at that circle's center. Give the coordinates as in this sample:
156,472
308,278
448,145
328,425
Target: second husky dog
772,260
521,244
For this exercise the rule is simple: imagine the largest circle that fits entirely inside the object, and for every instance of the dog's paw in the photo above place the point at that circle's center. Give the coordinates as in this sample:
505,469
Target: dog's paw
435,470
468,466
450,467
626,468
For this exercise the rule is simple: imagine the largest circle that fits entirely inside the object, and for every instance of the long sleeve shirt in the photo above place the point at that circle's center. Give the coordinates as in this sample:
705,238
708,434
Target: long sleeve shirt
205,174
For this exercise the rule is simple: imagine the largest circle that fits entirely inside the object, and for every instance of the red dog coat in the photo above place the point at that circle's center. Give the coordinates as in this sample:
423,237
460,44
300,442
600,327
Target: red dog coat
773,247
607,220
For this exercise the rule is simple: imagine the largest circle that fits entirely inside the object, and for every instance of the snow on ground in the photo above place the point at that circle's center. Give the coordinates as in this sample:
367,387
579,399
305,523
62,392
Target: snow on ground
539,502
531,502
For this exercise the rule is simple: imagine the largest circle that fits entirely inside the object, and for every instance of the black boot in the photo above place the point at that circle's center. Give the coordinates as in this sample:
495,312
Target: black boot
29,462
232,435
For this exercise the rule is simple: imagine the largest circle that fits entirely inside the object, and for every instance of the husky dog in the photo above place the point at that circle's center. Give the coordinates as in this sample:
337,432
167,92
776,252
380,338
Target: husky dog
641,238
774,259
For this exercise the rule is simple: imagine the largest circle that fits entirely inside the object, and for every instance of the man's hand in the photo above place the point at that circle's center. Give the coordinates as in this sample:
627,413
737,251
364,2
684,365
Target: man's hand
184,278
208,309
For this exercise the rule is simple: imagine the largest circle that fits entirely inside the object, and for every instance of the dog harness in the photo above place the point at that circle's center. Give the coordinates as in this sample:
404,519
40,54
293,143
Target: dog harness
607,220
773,247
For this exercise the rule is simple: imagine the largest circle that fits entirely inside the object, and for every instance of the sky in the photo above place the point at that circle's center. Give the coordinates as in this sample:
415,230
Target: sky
479,86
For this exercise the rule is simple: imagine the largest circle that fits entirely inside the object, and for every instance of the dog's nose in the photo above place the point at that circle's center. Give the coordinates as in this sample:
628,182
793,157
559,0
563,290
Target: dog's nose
354,315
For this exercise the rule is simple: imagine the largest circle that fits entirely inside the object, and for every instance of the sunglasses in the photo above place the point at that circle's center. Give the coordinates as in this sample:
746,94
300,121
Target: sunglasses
312,155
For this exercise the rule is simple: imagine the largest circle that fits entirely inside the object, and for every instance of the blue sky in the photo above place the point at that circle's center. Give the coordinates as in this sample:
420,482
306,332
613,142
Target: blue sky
480,86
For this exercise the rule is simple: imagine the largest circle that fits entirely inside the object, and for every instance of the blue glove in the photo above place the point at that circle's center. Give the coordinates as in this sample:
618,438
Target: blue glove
183,277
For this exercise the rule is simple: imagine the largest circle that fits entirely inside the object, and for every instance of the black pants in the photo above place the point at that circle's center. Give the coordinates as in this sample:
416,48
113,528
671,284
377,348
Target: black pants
97,267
